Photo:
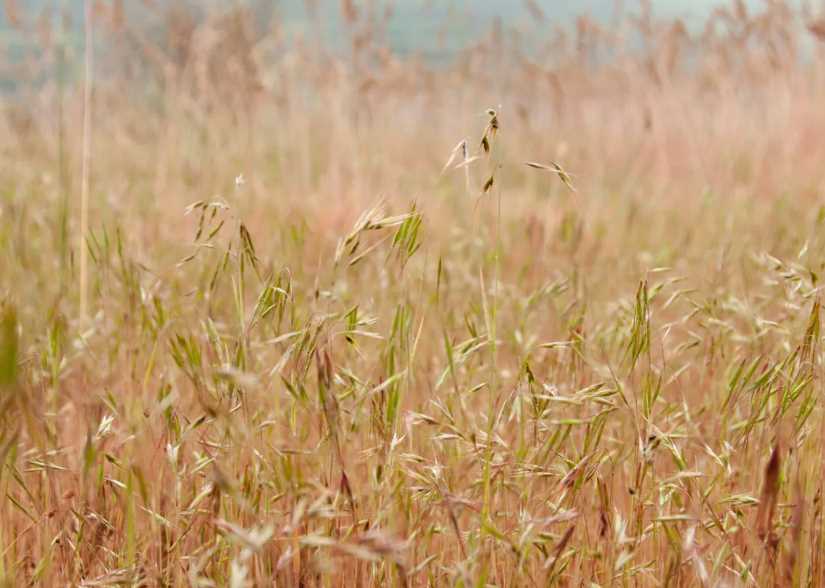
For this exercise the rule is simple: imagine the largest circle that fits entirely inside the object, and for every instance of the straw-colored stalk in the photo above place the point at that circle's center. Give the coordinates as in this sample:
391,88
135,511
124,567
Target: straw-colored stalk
86,159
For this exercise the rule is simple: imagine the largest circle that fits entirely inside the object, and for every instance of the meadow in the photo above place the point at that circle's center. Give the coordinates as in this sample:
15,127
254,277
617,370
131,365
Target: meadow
272,315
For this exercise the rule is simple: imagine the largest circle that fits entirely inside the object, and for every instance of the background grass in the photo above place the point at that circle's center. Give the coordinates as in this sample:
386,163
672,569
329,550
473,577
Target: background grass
316,355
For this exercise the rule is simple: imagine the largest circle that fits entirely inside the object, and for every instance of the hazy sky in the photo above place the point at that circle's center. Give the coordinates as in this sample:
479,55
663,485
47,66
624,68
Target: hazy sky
515,9
455,23
431,27
509,10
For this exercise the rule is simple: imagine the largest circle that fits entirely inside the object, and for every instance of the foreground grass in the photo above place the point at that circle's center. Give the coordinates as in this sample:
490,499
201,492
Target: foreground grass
487,378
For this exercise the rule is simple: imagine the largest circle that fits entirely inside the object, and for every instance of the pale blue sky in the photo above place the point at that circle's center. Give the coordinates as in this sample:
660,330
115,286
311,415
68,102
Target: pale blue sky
437,27
433,28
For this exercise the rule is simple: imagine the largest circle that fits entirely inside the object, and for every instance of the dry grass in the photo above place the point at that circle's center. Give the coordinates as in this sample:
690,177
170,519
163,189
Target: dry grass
316,355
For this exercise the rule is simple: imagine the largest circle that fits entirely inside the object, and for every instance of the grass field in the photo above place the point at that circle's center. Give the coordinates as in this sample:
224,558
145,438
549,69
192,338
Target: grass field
547,319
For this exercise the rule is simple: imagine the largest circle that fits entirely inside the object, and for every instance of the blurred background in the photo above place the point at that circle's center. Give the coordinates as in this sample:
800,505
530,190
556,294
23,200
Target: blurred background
436,29
184,96
325,105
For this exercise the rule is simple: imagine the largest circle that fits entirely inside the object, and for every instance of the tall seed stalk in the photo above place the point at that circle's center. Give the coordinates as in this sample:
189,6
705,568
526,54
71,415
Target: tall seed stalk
86,158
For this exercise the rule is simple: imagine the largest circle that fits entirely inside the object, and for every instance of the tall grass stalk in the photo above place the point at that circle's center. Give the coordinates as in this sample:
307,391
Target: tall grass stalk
86,156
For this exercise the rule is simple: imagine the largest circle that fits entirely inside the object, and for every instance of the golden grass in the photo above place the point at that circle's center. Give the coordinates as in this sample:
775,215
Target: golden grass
316,355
